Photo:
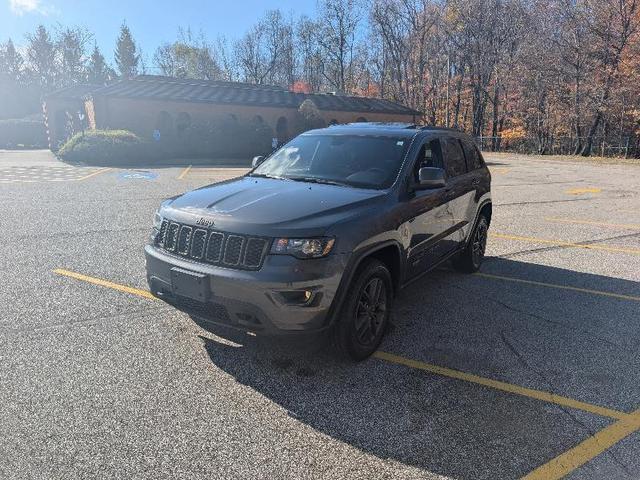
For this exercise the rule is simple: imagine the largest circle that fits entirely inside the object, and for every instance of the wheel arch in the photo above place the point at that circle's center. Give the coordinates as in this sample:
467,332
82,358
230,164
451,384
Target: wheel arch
388,252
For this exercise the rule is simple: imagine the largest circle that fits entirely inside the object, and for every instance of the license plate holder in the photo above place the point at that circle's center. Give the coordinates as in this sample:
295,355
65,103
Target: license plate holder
193,285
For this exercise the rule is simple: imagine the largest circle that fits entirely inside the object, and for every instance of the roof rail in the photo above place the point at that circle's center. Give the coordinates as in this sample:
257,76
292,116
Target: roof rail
446,129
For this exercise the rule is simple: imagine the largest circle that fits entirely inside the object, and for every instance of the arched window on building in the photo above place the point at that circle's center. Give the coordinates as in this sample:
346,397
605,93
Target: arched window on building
183,122
282,130
164,123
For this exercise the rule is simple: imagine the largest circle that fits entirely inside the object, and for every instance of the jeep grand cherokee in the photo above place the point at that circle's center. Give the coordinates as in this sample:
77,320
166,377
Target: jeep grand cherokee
324,232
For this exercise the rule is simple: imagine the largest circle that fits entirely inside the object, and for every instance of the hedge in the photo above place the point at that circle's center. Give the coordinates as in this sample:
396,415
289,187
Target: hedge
105,146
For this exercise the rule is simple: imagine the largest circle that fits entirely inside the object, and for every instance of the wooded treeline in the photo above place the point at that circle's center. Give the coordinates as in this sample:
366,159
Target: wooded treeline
535,73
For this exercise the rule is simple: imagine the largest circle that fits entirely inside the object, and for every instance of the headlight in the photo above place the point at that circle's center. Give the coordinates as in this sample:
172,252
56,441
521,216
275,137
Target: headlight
157,220
303,247
157,223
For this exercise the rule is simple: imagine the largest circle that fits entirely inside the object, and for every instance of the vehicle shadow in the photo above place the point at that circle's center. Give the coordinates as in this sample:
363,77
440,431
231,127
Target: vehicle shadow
535,336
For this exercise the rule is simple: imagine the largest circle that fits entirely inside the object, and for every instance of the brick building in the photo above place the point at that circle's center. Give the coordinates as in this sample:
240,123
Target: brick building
148,104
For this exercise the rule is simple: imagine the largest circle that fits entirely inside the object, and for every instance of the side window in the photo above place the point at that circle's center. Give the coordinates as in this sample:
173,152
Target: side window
474,161
454,162
430,155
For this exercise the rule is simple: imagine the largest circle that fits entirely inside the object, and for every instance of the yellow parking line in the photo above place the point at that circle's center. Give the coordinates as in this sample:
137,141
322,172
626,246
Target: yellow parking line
184,172
591,222
561,287
580,191
632,251
503,386
587,450
93,174
105,283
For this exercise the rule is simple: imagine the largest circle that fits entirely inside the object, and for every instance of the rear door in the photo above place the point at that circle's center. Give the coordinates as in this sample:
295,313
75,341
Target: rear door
460,188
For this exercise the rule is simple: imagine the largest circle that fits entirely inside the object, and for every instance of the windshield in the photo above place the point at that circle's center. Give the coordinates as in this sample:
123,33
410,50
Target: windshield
353,160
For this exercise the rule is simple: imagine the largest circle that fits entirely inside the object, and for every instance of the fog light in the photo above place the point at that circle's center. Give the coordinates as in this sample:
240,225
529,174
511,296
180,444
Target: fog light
297,297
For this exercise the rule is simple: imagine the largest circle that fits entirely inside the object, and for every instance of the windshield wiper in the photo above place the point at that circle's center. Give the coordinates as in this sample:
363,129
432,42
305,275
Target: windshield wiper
323,181
264,175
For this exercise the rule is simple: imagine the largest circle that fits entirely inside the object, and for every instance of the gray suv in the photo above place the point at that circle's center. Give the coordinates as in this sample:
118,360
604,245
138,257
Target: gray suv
323,233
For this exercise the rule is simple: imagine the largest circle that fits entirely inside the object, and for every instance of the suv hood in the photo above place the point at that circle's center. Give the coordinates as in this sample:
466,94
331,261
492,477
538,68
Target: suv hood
271,207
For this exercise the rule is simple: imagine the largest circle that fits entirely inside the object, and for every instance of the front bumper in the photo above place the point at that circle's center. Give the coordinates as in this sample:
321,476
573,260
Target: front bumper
264,301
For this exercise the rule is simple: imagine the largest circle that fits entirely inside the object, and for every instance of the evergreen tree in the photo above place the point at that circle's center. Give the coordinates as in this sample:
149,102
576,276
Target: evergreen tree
11,62
98,71
71,44
127,56
41,58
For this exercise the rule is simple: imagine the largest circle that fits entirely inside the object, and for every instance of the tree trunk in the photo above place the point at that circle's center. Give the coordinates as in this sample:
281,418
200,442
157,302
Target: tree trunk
586,150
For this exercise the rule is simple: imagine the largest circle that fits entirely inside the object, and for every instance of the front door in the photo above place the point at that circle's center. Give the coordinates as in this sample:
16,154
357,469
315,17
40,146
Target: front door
431,217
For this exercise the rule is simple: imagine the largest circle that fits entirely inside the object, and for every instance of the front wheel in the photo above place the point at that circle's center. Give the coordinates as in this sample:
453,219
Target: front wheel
470,259
365,313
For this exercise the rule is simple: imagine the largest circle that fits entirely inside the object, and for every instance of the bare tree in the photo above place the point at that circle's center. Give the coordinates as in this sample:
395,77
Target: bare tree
338,22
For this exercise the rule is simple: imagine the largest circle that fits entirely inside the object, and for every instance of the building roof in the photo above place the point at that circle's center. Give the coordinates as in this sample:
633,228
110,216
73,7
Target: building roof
151,87
74,92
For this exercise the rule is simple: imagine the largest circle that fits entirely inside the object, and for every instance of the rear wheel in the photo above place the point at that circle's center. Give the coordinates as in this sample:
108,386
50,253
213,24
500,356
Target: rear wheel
365,312
470,259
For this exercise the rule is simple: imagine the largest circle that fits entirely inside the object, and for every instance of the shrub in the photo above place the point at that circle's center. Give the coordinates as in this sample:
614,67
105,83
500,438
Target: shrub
22,133
105,147
308,117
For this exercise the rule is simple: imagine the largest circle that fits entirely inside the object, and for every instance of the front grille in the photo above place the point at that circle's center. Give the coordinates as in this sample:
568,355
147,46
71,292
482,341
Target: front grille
216,248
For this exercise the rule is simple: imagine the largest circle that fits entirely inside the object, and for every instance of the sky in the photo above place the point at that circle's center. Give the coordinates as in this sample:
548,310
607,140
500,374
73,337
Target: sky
151,22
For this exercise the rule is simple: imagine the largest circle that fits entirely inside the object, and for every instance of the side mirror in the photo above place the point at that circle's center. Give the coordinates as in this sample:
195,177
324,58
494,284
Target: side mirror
257,161
430,177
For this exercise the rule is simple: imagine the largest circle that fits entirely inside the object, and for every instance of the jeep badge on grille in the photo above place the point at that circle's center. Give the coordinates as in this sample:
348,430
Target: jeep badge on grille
205,222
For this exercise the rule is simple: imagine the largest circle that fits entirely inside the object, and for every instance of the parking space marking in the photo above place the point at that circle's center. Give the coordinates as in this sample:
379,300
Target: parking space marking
48,174
105,283
503,386
587,450
560,287
632,251
580,191
184,172
104,170
591,222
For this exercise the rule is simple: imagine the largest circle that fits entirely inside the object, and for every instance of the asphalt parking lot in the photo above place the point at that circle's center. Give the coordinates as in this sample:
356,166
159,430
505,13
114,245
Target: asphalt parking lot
530,367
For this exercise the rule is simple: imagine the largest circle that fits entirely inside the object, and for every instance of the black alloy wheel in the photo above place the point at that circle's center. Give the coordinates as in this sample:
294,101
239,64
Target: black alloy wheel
364,315
470,259
371,311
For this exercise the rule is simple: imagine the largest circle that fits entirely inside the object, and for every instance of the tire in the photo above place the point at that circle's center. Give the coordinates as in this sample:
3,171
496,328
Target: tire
360,326
470,259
